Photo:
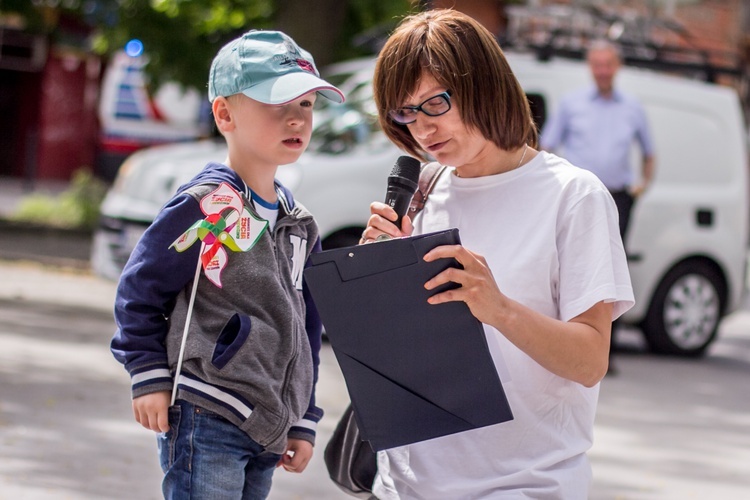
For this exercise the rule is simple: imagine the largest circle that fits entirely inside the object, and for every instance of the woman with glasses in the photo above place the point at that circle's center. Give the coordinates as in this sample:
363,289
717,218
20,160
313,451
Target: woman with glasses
543,266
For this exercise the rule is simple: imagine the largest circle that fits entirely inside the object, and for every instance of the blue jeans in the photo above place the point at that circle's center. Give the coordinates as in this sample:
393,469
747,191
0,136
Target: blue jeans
204,456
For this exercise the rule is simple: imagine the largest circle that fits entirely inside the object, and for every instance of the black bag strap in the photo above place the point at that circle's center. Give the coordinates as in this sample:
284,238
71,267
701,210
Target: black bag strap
428,177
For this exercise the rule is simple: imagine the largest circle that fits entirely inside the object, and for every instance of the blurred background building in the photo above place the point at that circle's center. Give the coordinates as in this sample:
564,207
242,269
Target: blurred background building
53,120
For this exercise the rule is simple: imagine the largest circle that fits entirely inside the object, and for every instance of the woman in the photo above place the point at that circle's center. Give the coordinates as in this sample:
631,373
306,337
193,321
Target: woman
543,265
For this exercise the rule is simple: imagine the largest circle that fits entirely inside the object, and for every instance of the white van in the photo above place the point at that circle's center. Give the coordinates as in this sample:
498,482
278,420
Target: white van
688,237
689,233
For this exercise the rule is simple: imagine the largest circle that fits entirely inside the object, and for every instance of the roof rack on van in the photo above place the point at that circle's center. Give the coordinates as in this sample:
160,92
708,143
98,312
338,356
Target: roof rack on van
649,42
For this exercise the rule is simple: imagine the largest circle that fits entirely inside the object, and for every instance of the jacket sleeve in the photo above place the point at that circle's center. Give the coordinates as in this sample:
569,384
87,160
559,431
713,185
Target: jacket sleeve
305,429
150,281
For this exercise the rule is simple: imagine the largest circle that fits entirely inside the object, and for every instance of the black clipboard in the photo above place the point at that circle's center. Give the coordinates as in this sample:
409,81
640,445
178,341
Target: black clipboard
414,371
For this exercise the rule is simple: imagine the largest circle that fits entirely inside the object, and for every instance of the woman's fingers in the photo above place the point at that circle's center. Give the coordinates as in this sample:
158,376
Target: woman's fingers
382,222
476,284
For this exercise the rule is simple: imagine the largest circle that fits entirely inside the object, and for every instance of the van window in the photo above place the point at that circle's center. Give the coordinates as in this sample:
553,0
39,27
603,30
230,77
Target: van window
538,109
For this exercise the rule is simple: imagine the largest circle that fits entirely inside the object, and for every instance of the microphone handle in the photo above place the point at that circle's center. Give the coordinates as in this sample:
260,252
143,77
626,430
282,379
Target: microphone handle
399,200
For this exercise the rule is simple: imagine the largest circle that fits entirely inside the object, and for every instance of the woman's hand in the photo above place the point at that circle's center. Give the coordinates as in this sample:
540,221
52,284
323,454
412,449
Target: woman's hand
478,290
576,349
382,222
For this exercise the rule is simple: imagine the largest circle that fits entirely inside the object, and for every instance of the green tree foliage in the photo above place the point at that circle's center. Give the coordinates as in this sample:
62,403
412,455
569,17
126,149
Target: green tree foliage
181,37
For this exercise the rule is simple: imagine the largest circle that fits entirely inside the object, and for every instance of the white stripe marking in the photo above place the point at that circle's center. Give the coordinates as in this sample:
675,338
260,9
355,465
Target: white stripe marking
151,374
307,424
235,403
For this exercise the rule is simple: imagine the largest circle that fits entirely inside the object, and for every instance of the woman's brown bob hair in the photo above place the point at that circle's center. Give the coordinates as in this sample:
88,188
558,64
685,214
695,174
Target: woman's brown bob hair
464,58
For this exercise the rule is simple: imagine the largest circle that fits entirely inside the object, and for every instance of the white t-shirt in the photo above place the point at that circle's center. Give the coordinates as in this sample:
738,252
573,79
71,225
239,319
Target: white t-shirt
550,234
267,210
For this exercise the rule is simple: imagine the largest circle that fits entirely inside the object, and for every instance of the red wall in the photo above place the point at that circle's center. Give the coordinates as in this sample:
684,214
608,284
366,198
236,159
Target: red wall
67,115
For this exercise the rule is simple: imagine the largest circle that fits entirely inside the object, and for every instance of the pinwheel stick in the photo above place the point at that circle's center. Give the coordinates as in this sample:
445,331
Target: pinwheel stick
187,325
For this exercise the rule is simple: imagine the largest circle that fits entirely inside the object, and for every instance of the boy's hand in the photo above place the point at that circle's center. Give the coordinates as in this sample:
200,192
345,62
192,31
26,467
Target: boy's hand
151,410
297,456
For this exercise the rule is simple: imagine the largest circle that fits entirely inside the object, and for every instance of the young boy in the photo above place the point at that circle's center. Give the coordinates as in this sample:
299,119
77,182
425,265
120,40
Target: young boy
245,398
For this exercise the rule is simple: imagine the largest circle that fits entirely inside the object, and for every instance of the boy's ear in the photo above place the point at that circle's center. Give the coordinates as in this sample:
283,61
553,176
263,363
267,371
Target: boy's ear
222,114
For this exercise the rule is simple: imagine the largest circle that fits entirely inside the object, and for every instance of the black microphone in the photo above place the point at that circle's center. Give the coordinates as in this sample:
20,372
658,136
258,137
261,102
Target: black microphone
402,184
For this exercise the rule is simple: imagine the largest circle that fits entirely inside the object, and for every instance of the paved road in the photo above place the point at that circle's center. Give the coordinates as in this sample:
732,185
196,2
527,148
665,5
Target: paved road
666,428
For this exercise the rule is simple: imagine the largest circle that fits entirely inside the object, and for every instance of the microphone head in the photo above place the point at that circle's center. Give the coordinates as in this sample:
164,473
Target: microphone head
406,169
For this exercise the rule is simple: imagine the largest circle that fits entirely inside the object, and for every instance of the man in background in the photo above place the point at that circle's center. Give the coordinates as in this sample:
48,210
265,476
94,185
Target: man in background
594,128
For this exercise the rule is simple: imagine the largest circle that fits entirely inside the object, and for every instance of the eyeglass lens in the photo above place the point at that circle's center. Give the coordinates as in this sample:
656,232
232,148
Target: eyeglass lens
433,106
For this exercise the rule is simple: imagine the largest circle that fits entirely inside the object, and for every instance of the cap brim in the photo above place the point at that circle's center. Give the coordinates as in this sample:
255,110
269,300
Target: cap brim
289,87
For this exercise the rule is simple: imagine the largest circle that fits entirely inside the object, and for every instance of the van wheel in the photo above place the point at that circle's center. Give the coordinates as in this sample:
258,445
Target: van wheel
686,309
343,238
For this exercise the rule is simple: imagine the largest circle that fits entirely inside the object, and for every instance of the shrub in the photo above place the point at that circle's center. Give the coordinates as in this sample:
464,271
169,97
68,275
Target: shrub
76,208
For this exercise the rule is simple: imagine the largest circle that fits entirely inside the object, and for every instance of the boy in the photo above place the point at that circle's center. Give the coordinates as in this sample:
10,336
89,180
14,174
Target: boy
245,390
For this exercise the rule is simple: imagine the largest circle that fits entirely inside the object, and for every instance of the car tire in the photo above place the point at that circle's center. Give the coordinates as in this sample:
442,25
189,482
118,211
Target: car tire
686,309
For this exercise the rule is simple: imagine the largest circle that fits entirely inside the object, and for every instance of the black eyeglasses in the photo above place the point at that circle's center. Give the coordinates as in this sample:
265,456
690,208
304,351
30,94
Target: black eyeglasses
433,106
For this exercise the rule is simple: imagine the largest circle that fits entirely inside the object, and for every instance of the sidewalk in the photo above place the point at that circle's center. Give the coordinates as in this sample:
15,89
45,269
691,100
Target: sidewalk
65,286
23,241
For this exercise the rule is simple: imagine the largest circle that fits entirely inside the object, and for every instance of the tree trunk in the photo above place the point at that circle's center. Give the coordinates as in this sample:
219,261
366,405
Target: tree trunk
314,25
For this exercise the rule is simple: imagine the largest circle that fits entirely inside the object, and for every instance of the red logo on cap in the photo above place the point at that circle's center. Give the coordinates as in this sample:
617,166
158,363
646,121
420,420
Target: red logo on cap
306,65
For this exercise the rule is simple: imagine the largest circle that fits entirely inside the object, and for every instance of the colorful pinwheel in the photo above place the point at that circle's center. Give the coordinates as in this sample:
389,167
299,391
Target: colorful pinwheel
228,223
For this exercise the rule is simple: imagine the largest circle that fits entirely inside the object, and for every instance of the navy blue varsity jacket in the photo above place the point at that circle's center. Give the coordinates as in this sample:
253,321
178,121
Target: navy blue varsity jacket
252,350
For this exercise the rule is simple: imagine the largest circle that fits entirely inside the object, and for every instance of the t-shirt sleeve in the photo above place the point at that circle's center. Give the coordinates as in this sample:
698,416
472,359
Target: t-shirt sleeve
643,132
593,266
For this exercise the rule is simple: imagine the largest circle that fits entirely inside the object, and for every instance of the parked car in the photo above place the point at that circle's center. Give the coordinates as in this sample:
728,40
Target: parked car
689,233
345,168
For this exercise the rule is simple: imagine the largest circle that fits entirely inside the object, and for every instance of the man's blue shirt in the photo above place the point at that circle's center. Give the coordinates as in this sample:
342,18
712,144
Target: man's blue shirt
597,133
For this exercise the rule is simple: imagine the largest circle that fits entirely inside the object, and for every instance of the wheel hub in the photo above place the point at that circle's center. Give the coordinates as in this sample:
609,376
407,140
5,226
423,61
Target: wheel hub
691,312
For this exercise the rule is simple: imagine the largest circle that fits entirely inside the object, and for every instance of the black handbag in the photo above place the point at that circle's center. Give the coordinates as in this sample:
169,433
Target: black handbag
351,463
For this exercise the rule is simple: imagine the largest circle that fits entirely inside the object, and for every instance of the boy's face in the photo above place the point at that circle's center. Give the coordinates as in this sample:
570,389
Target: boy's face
271,135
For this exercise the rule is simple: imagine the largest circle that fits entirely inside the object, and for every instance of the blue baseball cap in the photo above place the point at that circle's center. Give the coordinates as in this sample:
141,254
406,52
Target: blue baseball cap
269,67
